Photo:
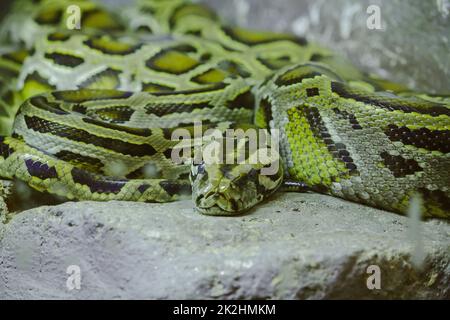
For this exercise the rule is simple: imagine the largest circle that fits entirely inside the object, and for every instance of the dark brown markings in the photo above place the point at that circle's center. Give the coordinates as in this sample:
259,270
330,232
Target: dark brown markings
43,126
167,133
312,92
127,49
100,19
5,149
115,114
234,68
41,170
153,62
317,57
145,29
141,173
275,64
184,48
244,100
64,59
80,96
390,103
265,107
338,150
79,108
400,166
49,16
286,82
187,9
190,127
305,71
35,76
233,34
175,187
108,73
205,57
147,10
58,36
184,176
134,131
18,56
8,97
168,153
154,87
136,174
438,140
42,103
197,33
8,73
169,108
97,183
143,187
350,117
437,198
200,78
3,111
78,160
214,87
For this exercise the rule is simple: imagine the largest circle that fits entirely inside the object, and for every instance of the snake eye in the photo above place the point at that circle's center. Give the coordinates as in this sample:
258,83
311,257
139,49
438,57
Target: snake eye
252,173
201,169
198,170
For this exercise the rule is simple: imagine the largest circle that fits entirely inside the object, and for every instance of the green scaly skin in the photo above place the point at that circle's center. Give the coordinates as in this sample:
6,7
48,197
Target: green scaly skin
100,105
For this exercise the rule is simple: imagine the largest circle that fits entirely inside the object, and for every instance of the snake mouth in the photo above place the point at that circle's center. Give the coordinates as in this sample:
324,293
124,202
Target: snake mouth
216,211
217,203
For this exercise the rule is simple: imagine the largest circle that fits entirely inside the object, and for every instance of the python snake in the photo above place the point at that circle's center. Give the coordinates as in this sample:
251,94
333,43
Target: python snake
99,107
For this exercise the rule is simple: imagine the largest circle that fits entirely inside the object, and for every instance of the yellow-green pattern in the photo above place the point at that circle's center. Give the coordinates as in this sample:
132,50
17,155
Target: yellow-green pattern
369,147
99,105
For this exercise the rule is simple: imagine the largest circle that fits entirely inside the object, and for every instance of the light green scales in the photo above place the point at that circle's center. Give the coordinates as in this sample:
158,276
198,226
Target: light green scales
128,84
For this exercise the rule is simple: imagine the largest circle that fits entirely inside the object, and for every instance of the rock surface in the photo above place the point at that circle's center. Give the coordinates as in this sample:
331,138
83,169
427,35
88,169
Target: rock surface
296,246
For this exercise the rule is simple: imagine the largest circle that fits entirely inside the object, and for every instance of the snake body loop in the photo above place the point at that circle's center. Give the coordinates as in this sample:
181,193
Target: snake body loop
100,106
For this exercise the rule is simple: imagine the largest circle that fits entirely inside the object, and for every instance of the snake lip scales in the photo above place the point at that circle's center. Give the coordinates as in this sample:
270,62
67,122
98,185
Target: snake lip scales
89,114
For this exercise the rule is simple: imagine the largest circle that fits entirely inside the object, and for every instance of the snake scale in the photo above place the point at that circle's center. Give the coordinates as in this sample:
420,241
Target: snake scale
90,113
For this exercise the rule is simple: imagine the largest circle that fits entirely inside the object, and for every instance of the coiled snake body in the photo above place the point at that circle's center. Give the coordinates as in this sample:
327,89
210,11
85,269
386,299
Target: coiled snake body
101,105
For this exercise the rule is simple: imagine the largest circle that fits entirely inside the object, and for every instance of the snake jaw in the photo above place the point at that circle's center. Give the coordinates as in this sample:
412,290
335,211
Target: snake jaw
218,199
217,204
228,190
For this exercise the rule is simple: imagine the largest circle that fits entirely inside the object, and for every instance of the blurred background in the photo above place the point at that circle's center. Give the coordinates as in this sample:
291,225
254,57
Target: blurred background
410,45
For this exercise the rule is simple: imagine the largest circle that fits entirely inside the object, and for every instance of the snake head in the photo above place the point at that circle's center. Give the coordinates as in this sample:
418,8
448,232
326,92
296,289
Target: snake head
223,189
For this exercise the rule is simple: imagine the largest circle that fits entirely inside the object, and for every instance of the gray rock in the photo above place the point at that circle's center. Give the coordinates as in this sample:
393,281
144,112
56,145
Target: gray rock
297,246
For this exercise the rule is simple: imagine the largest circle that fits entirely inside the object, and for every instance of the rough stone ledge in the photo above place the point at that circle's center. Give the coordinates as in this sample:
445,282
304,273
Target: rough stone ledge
296,246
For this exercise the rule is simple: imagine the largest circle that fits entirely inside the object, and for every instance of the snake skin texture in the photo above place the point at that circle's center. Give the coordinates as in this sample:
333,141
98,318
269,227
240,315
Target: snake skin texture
90,114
